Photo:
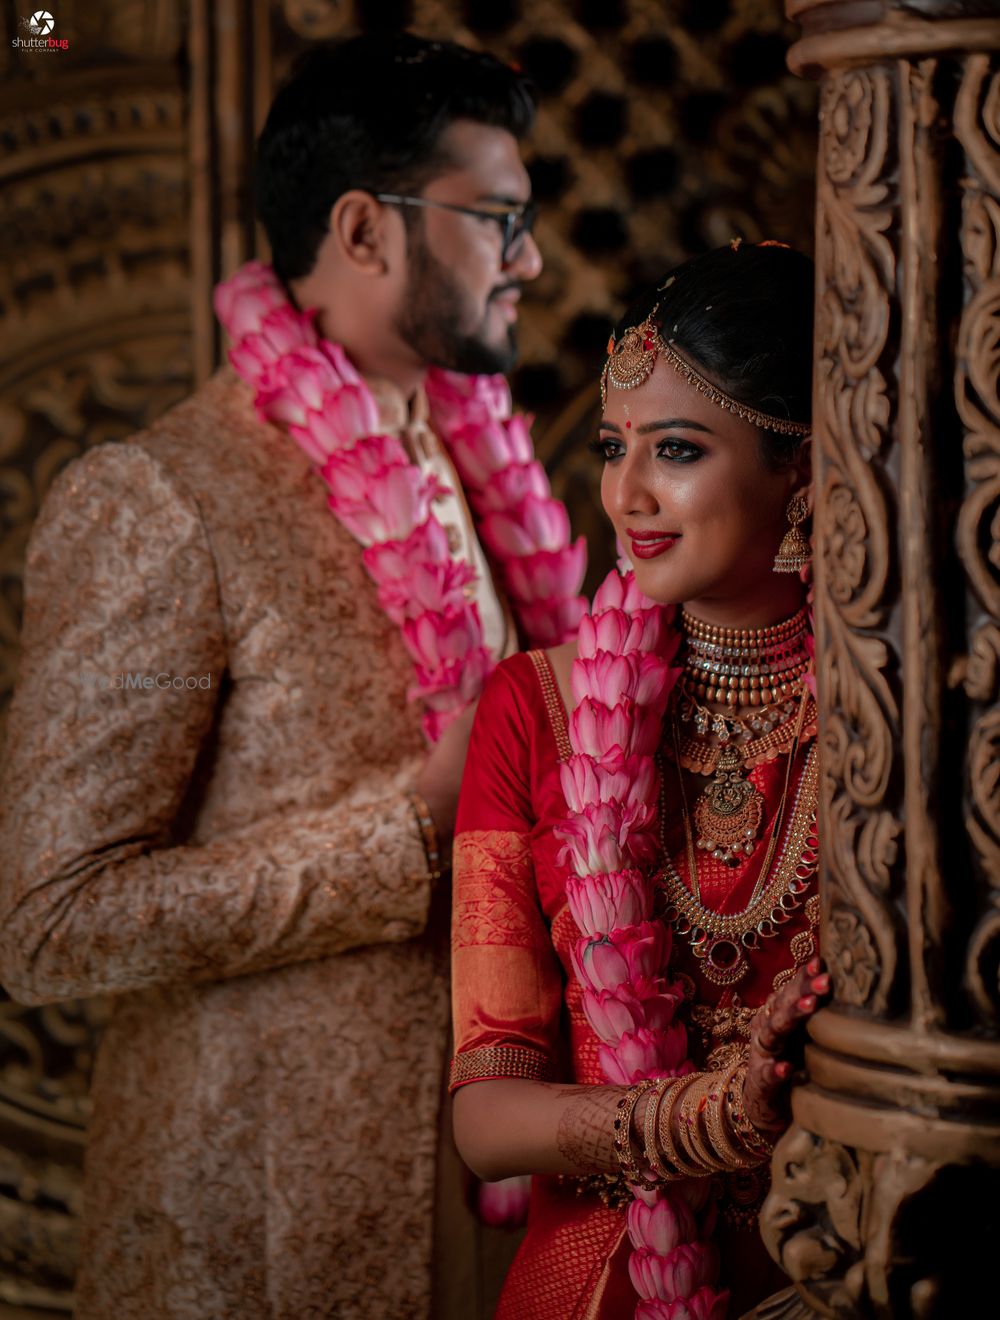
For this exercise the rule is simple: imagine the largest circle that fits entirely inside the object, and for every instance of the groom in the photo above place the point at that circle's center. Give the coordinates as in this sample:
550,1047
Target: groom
219,807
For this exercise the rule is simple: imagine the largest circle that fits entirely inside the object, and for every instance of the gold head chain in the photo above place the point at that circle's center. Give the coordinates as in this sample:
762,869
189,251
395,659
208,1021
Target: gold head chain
631,361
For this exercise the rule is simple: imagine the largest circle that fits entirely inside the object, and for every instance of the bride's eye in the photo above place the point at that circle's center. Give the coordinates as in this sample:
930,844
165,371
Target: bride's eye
679,451
605,447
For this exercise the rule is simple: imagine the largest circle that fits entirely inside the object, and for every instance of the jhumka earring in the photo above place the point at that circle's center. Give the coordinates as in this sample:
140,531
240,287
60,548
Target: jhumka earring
795,551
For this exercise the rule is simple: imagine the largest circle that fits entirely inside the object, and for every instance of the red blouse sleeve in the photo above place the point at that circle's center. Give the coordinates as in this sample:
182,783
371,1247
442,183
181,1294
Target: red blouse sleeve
506,979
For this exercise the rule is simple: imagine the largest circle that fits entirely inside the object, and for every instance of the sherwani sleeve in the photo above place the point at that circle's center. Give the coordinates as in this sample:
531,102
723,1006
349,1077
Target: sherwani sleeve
506,980
96,896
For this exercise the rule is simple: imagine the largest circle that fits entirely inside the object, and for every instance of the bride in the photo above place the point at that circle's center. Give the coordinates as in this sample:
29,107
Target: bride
635,905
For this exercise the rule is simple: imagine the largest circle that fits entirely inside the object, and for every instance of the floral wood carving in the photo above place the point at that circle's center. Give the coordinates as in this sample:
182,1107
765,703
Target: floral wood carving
977,382
811,1220
856,270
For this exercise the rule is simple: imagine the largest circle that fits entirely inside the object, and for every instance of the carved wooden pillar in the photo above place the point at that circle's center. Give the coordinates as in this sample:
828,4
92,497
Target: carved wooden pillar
886,1195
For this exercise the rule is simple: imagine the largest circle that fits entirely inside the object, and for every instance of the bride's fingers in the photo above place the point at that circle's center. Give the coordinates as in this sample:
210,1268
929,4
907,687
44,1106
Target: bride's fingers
797,1000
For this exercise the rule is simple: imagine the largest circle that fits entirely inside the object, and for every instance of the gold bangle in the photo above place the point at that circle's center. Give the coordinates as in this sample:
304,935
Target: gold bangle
622,1142
685,1167
716,1128
650,1127
428,834
750,1137
693,1139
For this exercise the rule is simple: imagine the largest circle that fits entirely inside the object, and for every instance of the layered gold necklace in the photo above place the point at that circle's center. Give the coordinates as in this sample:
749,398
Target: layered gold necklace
745,666
760,669
763,670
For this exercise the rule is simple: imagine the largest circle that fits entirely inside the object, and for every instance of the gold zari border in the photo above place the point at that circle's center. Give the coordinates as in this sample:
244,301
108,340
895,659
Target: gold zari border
497,1061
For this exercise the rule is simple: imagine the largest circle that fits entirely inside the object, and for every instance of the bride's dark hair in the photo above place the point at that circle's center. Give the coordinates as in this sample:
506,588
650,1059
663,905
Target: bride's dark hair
743,315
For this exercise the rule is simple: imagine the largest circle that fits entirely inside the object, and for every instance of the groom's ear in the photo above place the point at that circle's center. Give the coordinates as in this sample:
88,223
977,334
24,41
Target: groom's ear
366,234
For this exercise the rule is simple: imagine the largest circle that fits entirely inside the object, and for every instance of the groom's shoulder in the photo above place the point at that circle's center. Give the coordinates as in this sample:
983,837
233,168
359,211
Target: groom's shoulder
196,450
216,418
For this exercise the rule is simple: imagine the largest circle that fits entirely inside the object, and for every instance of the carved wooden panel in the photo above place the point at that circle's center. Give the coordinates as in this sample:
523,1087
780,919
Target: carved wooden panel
977,397
898,1125
853,415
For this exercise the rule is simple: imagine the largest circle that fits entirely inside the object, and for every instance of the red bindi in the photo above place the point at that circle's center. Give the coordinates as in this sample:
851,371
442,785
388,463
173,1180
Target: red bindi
628,426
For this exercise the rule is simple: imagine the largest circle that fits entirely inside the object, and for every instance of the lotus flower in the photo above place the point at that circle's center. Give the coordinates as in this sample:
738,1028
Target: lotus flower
304,382
616,1013
546,574
624,730
347,415
552,622
251,359
392,561
615,631
617,778
480,451
342,364
436,639
243,301
430,587
645,1053
602,903
704,1305
505,488
589,851
687,1269
542,524
396,504
283,331
353,474
619,591
352,413
624,955
454,397
638,676
663,1226
598,838
504,1204
518,430
453,684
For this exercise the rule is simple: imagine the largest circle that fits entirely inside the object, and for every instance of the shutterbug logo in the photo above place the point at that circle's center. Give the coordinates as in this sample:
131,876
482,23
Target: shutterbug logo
40,27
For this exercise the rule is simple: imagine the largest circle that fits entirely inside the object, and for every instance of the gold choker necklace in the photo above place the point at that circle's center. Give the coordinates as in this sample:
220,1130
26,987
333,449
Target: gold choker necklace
744,666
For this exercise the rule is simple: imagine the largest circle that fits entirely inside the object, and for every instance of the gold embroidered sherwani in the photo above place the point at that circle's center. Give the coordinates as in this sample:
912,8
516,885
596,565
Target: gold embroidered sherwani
230,852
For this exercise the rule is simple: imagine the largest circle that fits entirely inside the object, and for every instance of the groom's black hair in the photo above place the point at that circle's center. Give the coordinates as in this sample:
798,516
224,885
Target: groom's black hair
368,113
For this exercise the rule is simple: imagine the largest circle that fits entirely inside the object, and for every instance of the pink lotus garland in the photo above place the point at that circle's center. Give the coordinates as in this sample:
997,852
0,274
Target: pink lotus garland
308,384
621,681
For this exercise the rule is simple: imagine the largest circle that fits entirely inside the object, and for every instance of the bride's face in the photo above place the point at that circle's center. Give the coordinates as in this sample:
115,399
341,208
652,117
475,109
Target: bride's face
696,509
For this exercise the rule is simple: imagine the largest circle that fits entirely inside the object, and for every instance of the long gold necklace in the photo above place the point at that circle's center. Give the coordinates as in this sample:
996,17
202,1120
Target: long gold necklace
721,941
728,813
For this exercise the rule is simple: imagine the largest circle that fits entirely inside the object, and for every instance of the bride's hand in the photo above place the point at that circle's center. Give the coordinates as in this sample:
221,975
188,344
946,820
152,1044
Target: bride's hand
775,1045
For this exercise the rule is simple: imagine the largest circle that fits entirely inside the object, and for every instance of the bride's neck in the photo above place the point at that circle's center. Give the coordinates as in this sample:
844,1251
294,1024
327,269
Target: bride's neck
783,597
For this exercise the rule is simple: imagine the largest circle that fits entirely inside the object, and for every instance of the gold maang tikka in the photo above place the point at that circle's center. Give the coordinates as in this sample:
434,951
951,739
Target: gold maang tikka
632,358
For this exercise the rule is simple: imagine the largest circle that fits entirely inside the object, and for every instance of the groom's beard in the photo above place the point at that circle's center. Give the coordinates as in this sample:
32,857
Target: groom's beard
434,311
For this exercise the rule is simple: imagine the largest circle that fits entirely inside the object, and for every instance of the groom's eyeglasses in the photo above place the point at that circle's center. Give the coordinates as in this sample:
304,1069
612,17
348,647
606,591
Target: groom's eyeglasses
514,223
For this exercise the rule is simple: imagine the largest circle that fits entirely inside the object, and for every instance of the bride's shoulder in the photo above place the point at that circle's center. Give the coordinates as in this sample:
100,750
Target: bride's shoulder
561,659
524,677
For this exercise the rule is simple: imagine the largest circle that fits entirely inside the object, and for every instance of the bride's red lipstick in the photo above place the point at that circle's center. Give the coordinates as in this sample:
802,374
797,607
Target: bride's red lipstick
647,545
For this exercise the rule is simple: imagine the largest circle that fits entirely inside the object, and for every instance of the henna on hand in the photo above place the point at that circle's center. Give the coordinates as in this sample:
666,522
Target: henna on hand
775,1043
586,1127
